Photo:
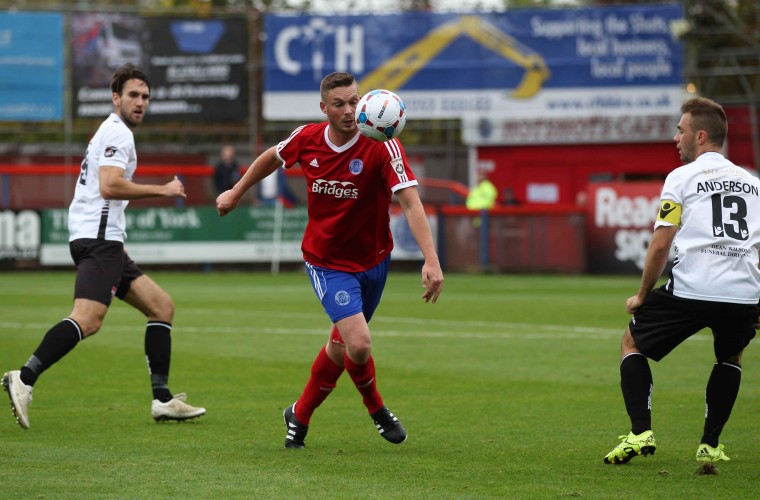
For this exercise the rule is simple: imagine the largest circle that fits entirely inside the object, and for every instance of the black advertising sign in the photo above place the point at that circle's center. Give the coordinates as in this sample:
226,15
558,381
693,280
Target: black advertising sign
197,67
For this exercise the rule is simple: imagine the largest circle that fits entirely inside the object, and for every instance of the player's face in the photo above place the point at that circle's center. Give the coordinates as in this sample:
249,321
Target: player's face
133,102
686,139
339,107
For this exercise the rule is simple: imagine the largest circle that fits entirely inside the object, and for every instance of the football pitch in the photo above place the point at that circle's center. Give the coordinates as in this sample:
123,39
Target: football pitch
508,387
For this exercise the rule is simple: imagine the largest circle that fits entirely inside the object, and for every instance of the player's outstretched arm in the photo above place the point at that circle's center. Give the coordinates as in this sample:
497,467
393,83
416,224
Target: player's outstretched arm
432,275
114,186
266,163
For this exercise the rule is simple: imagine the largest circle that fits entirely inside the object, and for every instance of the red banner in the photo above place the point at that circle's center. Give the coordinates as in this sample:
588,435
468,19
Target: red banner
619,223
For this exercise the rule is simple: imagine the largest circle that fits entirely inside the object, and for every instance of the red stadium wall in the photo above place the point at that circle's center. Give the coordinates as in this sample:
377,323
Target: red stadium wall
740,148
572,167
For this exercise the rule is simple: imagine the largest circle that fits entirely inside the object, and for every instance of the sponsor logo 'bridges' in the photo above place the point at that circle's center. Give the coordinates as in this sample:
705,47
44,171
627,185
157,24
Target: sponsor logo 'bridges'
338,189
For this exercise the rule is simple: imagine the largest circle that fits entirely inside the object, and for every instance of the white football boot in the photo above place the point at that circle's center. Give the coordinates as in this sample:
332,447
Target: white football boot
175,409
21,396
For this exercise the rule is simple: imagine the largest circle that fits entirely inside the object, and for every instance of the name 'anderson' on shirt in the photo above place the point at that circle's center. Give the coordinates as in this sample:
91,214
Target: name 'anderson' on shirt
729,186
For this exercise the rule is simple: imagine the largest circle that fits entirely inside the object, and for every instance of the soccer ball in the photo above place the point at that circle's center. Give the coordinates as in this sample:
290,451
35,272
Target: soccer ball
380,115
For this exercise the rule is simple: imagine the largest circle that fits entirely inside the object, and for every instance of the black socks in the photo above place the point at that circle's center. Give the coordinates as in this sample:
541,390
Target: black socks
720,396
56,343
158,352
64,336
636,383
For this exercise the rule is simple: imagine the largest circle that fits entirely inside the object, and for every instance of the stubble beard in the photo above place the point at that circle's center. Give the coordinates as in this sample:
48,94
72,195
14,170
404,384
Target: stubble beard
130,123
687,156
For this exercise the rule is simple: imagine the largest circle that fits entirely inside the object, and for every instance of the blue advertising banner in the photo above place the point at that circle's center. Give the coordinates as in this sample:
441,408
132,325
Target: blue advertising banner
31,66
529,62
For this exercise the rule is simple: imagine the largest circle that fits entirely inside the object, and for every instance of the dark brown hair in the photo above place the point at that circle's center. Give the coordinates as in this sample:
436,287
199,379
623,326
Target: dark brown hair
709,116
333,81
124,73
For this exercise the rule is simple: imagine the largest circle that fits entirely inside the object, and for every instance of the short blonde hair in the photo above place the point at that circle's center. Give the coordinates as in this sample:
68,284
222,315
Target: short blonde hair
709,116
333,81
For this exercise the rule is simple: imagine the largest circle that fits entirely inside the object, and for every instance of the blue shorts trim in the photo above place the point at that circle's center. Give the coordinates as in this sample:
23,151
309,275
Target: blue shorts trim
344,294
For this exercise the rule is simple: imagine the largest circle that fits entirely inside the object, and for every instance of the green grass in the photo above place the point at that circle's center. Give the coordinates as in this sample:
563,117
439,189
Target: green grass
508,387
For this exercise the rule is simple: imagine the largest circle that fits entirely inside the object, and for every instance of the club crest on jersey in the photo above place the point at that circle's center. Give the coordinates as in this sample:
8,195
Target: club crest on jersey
110,151
398,165
356,166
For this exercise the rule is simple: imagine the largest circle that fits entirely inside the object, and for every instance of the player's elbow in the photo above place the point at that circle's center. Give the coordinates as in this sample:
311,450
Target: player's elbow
107,193
111,191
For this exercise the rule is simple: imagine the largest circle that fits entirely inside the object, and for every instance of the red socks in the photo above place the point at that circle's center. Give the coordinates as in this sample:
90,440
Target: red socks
324,375
364,378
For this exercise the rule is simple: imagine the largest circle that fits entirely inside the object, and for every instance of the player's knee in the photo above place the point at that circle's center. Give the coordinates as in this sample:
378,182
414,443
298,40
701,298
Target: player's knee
89,326
359,352
734,360
627,342
335,352
162,309
167,307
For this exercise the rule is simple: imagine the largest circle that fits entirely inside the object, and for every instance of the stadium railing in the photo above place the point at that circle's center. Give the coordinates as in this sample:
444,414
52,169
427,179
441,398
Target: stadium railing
532,238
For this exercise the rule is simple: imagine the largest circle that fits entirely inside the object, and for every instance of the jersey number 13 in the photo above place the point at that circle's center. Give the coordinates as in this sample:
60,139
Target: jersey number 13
736,225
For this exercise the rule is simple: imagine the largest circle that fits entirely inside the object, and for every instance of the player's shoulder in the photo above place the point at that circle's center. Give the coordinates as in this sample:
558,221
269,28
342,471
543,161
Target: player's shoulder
305,132
114,127
695,168
114,121
391,149
316,127
312,129
713,164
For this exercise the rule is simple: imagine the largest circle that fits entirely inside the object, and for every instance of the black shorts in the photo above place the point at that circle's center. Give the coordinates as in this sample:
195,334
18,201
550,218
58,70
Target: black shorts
103,270
664,321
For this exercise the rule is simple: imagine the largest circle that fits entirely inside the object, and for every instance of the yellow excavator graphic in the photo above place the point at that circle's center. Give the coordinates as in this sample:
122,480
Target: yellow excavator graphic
396,71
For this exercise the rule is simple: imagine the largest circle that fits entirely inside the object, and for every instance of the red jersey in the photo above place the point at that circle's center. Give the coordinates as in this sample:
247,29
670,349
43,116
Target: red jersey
349,196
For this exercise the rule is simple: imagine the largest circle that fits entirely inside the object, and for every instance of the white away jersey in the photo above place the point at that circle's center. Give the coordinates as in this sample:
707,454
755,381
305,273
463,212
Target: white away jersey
91,216
719,237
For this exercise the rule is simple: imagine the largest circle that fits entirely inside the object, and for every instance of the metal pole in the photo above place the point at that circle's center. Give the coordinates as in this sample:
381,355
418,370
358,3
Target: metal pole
277,235
68,122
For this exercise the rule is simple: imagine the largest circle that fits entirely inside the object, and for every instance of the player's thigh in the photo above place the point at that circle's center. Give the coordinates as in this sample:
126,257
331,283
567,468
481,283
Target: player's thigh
149,298
733,328
372,284
339,292
355,333
99,266
89,315
663,322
